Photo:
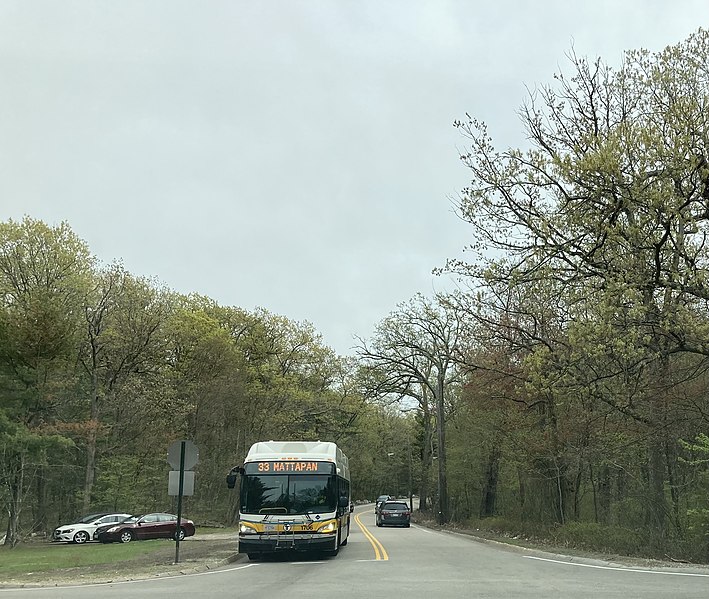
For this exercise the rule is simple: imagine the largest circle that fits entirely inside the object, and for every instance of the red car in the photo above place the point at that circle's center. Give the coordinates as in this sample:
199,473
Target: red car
146,526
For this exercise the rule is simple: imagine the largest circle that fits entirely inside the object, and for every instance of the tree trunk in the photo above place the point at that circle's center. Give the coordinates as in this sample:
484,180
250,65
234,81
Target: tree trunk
91,442
40,524
425,490
521,479
671,461
604,495
489,495
560,492
90,469
443,513
16,477
577,494
657,503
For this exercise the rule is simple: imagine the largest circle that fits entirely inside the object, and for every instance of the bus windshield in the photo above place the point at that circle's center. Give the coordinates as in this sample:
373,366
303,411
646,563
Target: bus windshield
288,494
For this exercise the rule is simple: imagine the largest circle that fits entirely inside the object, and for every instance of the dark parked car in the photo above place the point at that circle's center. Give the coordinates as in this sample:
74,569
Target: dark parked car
146,526
381,499
394,512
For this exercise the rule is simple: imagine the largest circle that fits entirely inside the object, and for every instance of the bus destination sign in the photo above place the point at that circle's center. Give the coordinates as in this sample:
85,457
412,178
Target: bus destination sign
288,467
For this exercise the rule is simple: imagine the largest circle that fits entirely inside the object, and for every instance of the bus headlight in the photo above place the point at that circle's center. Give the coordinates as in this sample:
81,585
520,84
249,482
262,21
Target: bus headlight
245,529
329,527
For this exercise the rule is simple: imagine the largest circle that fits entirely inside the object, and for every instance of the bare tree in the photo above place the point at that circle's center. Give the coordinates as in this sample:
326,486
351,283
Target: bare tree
414,355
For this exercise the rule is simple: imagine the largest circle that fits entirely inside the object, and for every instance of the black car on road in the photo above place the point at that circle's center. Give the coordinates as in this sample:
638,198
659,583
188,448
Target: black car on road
395,513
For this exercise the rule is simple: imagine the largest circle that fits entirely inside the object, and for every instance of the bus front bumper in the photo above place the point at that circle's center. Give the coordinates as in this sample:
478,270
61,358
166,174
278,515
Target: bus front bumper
269,543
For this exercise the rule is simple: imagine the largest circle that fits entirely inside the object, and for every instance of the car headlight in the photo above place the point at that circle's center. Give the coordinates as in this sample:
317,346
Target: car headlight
67,530
329,527
245,529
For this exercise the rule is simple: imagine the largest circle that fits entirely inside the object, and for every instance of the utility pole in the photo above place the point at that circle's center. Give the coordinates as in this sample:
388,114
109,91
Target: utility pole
442,482
411,478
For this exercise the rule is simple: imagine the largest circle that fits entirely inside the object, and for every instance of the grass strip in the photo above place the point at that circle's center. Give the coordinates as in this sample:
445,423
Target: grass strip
46,557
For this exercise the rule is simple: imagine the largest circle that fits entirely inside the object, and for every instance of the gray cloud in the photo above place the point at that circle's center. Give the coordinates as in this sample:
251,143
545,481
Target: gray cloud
293,155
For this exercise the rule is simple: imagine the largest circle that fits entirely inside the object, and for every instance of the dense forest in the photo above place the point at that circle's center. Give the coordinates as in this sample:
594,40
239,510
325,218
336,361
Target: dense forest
561,392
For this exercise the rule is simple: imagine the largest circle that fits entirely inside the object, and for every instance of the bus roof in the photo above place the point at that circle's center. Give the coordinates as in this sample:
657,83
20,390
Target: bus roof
300,450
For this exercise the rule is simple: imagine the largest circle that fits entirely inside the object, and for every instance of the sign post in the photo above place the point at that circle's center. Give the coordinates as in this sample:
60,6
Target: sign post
181,455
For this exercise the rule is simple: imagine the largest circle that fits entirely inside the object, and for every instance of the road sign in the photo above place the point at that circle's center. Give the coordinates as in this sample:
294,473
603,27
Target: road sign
191,455
182,456
173,483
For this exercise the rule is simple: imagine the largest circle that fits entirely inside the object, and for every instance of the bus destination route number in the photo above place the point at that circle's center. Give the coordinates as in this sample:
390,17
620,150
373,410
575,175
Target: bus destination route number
288,466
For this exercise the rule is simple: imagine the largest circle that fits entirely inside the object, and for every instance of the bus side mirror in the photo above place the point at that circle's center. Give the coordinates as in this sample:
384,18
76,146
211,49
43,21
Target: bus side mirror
232,476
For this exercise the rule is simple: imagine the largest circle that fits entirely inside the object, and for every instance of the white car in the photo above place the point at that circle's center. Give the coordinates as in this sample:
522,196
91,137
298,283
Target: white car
83,530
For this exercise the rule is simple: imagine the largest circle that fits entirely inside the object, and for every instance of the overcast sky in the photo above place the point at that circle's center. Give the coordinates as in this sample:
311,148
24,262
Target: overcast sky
297,156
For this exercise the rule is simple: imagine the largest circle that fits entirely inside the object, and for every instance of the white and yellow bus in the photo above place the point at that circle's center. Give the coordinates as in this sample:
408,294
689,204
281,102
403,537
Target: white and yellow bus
294,495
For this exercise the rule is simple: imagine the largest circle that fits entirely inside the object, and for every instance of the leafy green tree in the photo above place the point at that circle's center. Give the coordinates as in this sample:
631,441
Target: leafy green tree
124,316
43,274
603,218
237,377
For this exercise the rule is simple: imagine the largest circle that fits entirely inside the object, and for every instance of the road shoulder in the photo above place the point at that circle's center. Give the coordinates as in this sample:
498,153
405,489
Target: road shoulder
565,554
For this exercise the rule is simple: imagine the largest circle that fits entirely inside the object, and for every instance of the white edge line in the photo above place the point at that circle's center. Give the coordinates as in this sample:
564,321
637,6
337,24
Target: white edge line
556,561
117,582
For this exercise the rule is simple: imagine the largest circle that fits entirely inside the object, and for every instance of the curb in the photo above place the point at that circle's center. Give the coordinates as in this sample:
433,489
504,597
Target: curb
233,558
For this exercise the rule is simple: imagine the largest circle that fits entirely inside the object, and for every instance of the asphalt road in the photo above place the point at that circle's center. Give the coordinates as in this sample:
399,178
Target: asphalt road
406,563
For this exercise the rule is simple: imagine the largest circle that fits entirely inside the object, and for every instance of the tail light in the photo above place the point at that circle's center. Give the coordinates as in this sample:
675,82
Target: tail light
407,513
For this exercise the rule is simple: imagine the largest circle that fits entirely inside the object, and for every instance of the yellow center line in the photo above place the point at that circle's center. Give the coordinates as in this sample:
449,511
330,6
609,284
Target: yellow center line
380,553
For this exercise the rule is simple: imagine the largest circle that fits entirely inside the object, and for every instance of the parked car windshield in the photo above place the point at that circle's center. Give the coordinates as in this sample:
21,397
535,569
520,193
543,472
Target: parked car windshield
89,518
